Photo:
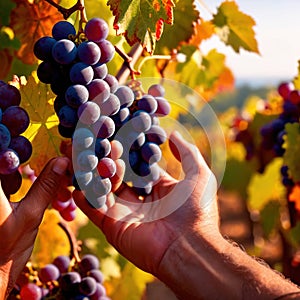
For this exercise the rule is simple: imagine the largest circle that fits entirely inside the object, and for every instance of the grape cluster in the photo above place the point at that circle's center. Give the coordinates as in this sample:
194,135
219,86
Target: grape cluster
62,279
273,133
105,120
15,149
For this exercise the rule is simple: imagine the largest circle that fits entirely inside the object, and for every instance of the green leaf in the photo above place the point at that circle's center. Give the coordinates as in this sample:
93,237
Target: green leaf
266,187
270,215
185,17
137,20
235,28
292,150
6,7
7,39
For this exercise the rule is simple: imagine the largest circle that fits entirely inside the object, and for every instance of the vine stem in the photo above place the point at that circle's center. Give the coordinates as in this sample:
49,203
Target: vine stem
74,247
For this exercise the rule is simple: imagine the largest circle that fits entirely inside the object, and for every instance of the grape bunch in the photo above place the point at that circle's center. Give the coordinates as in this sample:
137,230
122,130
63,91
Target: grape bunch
106,121
15,149
63,279
273,132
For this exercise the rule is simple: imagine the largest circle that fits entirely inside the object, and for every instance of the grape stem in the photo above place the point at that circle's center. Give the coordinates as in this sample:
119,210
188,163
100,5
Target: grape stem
74,246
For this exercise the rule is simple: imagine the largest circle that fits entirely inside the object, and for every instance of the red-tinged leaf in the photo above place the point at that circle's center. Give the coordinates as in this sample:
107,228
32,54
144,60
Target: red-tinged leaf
294,196
202,31
235,28
30,21
137,19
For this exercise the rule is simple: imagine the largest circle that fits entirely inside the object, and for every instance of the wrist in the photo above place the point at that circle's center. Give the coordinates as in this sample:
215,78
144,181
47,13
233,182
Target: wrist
4,281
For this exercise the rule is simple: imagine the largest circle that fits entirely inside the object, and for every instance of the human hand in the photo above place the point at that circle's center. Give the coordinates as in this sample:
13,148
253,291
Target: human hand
143,231
19,221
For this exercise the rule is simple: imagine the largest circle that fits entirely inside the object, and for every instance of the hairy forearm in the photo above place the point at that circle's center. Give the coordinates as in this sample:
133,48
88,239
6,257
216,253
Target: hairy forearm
197,268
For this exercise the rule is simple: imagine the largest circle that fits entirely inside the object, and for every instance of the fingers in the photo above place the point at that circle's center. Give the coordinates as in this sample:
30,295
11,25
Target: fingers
191,159
5,207
44,190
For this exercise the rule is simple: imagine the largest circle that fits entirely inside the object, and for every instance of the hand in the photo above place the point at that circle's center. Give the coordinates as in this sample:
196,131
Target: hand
19,221
144,231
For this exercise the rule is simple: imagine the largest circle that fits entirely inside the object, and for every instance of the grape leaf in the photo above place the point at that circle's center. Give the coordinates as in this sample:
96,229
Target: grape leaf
42,132
202,31
270,215
294,196
6,59
266,187
137,19
30,21
292,150
5,8
185,16
235,28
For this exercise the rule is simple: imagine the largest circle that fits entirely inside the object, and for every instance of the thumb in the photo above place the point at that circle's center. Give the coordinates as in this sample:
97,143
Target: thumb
44,189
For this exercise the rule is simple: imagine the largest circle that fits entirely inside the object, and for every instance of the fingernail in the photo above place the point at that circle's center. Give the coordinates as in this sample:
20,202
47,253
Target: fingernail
60,166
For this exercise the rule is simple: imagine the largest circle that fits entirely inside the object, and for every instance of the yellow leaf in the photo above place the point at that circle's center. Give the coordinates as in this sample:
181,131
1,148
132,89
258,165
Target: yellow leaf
202,31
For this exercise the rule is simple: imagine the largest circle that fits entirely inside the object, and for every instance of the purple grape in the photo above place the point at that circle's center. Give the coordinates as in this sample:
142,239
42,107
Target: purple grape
5,137
102,147
81,73
22,146
121,117
66,132
141,121
88,286
89,262
82,179
96,29
156,135
67,116
100,71
16,119
59,102
99,91
100,293
101,186
46,71
87,160
163,106
9,96
156,90
62,262
148,104
88,112
83,138
30,291
11,183
284,89
112,82
104,127
42,48
67,281
107,51
48,273
151,153
9,161
110,106
96,274
89,52
62,30
125,95
76,95
64,51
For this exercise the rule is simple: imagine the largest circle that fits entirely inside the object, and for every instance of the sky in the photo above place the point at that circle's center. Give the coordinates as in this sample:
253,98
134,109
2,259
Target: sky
278,35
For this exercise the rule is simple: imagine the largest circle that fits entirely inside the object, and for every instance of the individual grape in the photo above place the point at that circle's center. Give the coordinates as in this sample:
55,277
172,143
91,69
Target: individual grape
9,96
88,113
81,73
99,91
156,90
62,262
88,286
141,121
67,281
16,119
100,293
163,106
87,160
88,262
134,160
48,273
100,71
22,146
295,97
69,213
5,137
63,30
148,104
42,48
11,183
30,291
9,161
106,167
102,147
67,116
64,51
83,138
96,274
96,29
104,127
121,117
284,89
82,179
66,132
101,186
112,82
125,95
46,71
110,106
107,51
76,95
94,200
151,153
149,171
89,52
135,140
156,135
